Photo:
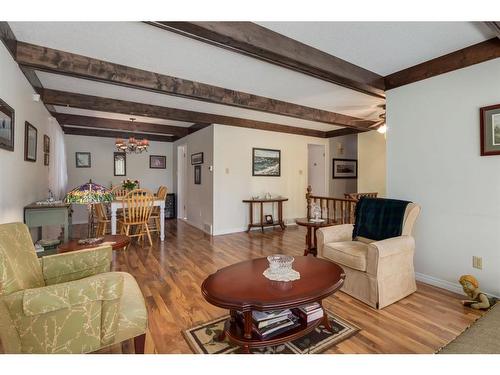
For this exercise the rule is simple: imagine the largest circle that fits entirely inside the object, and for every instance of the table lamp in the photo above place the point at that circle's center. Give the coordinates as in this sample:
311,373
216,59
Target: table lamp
89,194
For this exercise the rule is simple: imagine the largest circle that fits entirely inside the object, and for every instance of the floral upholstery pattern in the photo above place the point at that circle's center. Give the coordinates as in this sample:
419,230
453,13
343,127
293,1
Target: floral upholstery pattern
76,265
66,303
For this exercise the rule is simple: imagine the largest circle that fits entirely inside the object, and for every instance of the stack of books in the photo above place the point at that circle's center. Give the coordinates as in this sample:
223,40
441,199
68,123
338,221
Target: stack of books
309,313
269,324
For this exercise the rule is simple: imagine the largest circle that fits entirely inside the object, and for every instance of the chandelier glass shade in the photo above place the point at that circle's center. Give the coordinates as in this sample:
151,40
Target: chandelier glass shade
132,146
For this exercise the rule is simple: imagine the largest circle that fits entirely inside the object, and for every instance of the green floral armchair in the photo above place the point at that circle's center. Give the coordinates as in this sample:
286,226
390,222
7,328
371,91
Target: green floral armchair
64,303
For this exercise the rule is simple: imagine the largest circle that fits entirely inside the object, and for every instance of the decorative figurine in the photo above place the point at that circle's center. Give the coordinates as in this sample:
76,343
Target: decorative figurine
479,300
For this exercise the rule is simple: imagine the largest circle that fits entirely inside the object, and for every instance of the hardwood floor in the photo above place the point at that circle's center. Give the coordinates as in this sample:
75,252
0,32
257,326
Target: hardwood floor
170,275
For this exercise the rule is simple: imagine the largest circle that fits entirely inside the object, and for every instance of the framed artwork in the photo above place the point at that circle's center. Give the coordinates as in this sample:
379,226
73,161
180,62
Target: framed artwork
46,143
197,174
119,163
197,158
30,140
6,126
266,162
345,168
157,162
83,160
269,219
490,130
46,159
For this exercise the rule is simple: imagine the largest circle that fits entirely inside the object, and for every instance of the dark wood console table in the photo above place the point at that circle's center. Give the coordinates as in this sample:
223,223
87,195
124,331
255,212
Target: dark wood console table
262,223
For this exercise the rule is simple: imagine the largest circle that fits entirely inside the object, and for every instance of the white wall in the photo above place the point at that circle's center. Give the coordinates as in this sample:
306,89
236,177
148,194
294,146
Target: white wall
344,147
233,180
372,163
433,159
23,182
101,171
199,198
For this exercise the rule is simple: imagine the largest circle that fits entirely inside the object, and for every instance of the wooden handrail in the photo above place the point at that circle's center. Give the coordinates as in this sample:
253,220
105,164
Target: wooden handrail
339,209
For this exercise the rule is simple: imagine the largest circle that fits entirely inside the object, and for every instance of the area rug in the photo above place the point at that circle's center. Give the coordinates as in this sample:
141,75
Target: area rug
203,339
481,337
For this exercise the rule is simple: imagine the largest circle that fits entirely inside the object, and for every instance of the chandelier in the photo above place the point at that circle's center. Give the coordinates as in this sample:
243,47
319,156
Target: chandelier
132,146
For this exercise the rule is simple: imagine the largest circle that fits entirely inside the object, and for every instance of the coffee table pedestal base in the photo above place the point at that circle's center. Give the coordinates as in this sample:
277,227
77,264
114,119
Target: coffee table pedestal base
241,333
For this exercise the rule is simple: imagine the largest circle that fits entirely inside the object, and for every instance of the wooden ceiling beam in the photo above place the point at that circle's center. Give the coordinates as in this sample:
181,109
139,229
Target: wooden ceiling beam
259,42
96,103
9,40
116,134
475,54
66,63
105,123
341,132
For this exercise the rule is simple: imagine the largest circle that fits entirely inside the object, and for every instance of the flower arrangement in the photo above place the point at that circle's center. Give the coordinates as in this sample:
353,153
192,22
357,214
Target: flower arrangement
89,193
130,184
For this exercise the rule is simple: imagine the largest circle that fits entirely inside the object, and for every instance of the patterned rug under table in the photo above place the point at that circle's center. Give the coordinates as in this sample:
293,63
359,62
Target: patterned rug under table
203,339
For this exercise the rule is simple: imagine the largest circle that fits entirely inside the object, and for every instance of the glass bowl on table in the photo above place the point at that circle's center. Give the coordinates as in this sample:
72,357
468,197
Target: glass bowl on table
280,263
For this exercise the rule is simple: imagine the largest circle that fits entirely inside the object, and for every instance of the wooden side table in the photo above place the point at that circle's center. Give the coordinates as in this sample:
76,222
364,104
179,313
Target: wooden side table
120,241
262,223
312,227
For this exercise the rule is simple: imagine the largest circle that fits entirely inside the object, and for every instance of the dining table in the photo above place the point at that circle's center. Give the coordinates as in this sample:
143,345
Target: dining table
119,203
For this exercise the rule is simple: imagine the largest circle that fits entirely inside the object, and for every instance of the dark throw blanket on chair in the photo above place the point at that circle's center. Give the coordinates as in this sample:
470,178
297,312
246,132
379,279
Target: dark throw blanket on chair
378,218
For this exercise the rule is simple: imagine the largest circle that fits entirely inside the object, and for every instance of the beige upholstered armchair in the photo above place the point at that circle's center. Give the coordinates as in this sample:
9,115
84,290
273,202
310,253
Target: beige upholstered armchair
65,303
377,272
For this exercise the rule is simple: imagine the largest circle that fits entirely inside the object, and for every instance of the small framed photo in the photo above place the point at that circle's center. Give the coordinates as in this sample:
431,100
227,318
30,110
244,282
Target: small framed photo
345,168
269,219
83,160
46,159
46,144
120,164
266,162
6,126
490,130
157,162
197,158
197,174
30,141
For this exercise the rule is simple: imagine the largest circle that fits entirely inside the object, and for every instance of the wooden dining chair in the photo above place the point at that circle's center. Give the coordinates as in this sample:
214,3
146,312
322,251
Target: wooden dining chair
119,192
137,209
155,216
103,221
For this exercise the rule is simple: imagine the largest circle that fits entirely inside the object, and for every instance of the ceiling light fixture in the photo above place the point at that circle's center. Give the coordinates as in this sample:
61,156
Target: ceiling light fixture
132,146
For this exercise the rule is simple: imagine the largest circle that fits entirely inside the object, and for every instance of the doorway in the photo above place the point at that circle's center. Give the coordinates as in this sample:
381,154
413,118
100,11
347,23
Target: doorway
181,181
316,169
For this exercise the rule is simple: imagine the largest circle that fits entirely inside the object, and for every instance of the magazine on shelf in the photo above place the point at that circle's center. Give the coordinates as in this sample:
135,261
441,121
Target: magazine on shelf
277,328
259,316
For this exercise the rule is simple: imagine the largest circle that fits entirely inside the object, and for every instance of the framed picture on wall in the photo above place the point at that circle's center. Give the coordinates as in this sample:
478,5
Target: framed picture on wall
266,162
6,126
157,162
490,130
46,143
197,158
83,160
30,141
119,164
345,168
197,174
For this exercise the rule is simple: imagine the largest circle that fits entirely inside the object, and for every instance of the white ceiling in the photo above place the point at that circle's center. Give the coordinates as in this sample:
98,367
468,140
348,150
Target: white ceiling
385,47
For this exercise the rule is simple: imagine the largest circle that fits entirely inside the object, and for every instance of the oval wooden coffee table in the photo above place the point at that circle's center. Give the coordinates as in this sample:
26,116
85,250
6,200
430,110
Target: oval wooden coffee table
242,288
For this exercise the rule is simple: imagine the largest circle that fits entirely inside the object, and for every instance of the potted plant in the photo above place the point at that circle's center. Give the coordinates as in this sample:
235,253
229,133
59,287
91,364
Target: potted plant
130,184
